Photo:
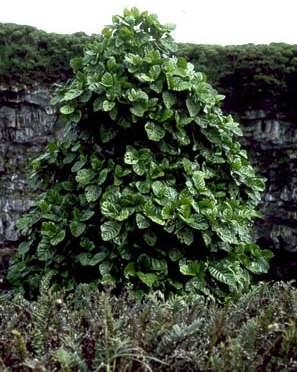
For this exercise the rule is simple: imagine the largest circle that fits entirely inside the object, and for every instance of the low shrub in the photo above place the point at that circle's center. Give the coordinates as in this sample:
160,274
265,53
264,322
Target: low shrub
94,331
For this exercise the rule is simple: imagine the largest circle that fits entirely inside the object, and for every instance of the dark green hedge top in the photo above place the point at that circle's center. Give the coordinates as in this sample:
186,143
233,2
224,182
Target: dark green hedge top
251,76
28,55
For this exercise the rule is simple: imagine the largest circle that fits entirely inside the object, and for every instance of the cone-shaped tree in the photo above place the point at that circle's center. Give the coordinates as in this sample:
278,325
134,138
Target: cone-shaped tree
149,185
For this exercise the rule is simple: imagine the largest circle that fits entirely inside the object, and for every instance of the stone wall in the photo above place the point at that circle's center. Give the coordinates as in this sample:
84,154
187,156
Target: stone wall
27,122
272,144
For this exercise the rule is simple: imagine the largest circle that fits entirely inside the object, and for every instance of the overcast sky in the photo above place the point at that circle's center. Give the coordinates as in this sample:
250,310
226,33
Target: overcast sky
197,21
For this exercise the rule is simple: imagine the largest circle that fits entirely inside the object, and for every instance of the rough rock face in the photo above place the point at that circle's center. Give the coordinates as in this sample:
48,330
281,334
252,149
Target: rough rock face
272,144
27,122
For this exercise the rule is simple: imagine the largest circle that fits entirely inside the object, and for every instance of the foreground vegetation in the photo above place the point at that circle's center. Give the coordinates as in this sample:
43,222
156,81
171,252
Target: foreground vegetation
93,331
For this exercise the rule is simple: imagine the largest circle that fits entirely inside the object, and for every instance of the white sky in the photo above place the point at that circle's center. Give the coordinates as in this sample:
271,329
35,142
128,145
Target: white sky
200,21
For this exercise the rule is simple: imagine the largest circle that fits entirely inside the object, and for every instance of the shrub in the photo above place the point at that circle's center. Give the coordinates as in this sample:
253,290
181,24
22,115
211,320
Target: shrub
149,186
93,331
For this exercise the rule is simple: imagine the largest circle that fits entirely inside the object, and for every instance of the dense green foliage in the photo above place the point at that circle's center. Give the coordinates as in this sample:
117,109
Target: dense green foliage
149,187
248,75
251,76
29,55
91,331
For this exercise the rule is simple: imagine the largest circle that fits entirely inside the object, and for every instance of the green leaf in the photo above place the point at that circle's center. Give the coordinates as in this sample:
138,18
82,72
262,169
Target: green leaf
130,156
98,104
113,113
129,270
78,165
107,134
190,268
107,80
188,166
149,279
85,97
71,94
25,222
77,228
135,95
67,109
110,230
76,63
115,211
108,105
160,265
162,191
192,107
58,238
24,247
84,259
224,274
142,222
182,137
138,109
157,86
185,236
175,254
169,44
144,78
178,83
143,186
44,250
86,215
261,266
87,244
92,193
102,176
104,269
199,180
120,171
69,158
150,238
195,221
154,72
226,233
87,259
85,176
53,232
154,132
153,213
133,59
168,99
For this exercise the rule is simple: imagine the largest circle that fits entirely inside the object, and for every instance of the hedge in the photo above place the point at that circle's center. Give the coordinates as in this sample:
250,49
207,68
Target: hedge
251,76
